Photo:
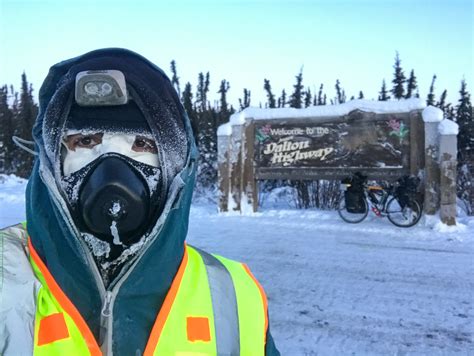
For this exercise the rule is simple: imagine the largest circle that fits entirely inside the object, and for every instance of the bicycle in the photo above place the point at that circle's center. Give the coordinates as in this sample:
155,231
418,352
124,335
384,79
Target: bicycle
396,202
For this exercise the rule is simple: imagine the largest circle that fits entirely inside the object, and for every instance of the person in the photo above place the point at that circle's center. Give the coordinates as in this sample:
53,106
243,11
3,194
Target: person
101,266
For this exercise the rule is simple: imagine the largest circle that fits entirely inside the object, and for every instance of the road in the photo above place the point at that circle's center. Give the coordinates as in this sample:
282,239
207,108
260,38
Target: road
343,289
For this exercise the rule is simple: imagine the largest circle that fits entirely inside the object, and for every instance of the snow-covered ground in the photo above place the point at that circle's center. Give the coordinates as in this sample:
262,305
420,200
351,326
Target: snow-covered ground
336,288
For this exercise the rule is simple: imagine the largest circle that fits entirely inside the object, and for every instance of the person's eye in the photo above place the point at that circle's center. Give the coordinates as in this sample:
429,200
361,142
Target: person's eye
83,141
143,144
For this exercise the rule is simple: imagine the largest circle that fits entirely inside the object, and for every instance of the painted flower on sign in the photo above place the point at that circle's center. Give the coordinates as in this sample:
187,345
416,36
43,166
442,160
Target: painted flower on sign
263,132
398,129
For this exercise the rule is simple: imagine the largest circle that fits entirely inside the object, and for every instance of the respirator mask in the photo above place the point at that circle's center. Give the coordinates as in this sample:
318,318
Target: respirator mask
111,175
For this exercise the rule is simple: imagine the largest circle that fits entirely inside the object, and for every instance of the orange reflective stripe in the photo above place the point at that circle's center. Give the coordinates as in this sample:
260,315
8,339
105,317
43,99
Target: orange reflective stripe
165,308
197,329
264,300
52,328
66,304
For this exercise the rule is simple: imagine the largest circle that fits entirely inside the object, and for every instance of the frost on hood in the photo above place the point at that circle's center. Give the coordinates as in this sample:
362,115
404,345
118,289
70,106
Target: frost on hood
97,246
156,98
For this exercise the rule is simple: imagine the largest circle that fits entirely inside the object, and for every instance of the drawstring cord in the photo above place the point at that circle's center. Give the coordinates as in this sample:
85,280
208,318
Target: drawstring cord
22,143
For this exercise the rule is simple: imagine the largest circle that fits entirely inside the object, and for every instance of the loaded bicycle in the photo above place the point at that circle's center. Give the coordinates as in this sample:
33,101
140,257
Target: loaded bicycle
398,202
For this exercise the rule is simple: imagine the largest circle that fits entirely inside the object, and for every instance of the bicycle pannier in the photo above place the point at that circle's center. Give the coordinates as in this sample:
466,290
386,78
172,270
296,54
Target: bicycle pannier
406,190
354,195
354,200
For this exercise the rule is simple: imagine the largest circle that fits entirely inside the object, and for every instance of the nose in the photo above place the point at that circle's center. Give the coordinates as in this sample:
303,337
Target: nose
117,143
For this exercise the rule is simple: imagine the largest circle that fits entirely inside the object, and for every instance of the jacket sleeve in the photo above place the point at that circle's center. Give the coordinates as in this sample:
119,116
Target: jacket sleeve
18,292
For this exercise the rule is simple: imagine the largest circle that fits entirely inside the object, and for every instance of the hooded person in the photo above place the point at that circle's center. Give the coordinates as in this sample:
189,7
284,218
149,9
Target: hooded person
101,266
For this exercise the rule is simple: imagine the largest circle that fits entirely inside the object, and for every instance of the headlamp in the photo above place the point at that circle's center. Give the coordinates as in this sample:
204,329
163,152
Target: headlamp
101,88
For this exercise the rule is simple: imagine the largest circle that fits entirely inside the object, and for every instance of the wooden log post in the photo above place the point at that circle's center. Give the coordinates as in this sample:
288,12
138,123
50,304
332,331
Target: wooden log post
249,202
448,131
235,168
417,143
432,117
223,181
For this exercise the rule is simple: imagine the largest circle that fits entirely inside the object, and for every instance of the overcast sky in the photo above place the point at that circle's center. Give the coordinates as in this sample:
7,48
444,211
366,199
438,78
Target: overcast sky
248,41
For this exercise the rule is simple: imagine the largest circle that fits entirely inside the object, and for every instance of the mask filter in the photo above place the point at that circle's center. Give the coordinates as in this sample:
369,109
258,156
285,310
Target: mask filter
114,197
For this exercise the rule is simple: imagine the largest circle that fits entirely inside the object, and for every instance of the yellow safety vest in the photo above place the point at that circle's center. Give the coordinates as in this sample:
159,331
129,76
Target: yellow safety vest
215,306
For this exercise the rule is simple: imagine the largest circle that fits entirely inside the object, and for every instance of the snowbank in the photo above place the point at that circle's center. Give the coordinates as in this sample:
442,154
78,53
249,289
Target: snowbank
323,111
12,200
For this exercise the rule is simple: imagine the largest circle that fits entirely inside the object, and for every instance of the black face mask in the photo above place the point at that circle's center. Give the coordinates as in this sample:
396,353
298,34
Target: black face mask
115,198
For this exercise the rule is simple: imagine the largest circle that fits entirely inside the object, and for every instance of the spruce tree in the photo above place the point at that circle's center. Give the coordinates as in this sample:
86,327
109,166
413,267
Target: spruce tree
296,99
245,102
341,94
320,95
223,89
464,118
6,132
466,124
411,85
206,122
430,100
187,100
23,126
307,98
202,90
361,95
282,99
175,78
399,79
442,101
271,98
383,93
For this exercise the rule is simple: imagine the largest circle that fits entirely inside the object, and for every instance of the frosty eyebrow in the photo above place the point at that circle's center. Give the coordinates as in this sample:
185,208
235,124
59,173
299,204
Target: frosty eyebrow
83,141
141,143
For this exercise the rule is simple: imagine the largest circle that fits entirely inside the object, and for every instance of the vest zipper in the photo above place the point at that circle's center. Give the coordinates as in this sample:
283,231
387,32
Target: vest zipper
104,323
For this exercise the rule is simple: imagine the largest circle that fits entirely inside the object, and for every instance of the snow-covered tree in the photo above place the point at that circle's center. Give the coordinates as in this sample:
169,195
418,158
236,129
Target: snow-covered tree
223,89
296,99
442,101
411,85
6,132
383,94
307,97
175,78
24,119
340,93
282,99
270,96
430,99
398,89
245,102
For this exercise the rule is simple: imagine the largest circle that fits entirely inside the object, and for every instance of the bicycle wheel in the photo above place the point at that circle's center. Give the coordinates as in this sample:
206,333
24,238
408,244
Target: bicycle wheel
407,216
352,218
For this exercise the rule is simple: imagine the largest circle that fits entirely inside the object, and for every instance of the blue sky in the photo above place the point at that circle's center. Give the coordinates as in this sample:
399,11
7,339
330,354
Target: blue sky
247,41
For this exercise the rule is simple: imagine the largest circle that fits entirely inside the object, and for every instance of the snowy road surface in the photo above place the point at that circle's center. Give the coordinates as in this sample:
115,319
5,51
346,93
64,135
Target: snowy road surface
336,288
341,289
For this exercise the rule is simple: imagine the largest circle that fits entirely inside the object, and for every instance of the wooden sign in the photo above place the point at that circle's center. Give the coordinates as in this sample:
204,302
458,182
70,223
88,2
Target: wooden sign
376,145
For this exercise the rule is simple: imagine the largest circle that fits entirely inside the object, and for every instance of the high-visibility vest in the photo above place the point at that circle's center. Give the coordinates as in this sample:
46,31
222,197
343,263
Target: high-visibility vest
214,307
